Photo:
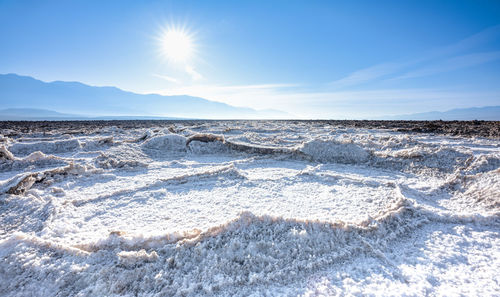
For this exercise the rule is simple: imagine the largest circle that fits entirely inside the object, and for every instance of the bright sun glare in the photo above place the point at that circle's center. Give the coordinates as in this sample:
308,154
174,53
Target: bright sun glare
177,45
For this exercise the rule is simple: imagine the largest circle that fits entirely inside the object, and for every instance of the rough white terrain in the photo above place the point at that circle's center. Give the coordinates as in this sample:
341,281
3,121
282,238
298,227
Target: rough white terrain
249,209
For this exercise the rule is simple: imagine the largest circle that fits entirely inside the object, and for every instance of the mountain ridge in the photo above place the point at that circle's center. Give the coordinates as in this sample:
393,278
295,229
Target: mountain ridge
485,113
18,91
35,114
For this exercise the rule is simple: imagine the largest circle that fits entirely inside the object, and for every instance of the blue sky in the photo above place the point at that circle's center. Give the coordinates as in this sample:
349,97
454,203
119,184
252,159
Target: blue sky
313,59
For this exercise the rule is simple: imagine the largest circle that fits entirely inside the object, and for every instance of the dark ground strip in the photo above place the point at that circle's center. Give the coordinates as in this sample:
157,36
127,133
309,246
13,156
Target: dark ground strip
490,129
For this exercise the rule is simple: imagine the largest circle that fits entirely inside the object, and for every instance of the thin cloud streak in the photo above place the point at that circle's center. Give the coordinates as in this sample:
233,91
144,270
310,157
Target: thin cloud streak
193,73
257,87
167,78
368,74
377,72
455,63
470,42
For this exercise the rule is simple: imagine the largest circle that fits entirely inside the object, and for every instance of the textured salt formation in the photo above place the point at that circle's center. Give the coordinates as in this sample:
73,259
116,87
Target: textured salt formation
5,154
248,208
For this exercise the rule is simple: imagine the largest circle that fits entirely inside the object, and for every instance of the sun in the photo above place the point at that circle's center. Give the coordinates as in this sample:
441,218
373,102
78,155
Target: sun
176,45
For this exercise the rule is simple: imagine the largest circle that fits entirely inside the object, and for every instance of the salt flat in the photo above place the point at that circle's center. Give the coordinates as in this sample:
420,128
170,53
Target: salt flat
248,208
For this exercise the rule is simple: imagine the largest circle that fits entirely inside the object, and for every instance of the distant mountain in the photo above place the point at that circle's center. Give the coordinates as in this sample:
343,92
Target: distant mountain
34,114
31,113
72,98
487,113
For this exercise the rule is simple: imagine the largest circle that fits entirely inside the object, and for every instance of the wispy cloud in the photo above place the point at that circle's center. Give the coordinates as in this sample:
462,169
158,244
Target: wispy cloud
451,64
419,65
482,37
254,87
167,78
368,74
193,73
188,73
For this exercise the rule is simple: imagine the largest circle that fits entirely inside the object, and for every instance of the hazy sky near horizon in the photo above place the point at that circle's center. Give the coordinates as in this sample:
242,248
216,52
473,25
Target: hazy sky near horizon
309,58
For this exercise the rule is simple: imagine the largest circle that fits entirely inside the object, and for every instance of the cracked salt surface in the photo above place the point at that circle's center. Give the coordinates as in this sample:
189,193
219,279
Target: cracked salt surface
262,208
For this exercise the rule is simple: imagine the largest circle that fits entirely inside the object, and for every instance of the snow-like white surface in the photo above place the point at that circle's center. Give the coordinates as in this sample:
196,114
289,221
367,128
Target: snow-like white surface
268,208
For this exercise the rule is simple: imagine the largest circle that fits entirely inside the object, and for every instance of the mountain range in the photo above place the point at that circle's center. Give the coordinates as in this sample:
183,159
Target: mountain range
89,101
486,113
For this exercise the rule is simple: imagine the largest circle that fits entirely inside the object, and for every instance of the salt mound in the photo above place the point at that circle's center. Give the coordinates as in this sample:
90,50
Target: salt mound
334,151
198,147
170,142
422,157
47,147
5,154
35,156
484,163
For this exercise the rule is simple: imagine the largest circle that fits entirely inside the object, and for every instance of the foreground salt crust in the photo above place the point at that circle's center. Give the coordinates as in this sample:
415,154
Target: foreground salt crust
249,208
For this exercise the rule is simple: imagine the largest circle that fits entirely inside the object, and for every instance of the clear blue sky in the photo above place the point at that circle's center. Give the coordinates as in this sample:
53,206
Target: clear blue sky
309,58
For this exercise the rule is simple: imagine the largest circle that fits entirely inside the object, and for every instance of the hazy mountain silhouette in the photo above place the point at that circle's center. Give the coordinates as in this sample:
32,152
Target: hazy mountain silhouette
487,113
75,98
35,114
15,113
